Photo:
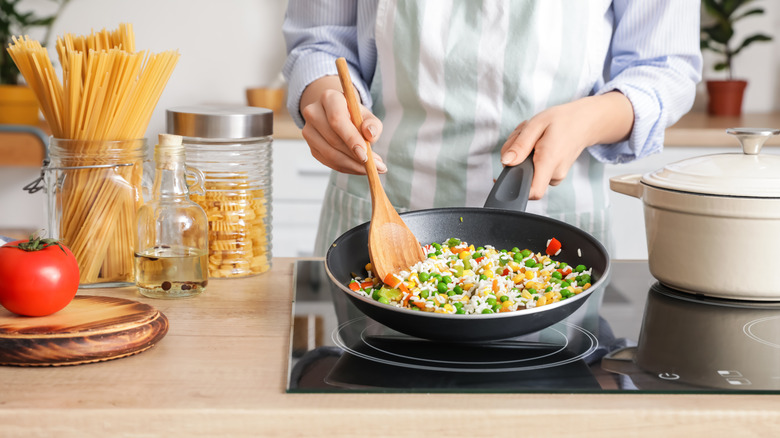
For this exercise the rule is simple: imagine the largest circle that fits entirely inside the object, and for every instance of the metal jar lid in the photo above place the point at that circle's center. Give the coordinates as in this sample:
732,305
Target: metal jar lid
229,122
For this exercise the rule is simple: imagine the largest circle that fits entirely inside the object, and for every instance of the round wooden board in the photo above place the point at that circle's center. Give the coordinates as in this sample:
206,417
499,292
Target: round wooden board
89,329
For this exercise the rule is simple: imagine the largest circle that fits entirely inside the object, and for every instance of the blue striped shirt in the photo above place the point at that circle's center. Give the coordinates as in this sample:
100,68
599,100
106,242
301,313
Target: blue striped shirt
654,59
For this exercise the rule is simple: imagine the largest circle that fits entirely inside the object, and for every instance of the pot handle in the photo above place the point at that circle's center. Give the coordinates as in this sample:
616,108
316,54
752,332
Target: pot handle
510,191
628,185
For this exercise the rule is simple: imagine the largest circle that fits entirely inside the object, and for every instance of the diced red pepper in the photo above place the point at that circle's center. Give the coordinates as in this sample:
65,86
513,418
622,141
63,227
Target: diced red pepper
355,286
553,246
366,284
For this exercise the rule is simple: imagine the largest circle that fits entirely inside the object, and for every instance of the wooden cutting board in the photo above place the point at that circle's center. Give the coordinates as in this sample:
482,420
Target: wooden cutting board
89,329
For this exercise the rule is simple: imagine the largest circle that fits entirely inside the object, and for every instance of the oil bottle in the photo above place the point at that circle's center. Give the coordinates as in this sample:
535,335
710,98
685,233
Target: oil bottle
171,259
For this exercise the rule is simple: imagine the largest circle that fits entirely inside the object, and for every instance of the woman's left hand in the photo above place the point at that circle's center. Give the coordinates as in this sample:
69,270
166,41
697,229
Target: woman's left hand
559,134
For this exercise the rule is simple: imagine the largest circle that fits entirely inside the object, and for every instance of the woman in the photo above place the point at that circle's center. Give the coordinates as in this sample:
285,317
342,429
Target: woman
452,91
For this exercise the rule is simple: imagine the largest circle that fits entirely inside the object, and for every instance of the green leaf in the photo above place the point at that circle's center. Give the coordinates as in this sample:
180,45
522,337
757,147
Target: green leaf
719,33
750,40
756,11
721,66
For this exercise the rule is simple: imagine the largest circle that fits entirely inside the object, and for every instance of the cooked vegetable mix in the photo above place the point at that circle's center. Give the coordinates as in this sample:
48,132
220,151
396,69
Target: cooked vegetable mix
458,278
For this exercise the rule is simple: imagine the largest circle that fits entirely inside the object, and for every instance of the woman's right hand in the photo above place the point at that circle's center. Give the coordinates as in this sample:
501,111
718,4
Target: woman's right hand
333,139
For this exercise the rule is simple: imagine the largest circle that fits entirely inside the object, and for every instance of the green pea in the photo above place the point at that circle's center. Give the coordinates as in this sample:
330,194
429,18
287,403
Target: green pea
451,293
517,257
453,242
383,300
476,255
424,294
496,307
438,252
423,276
441,287
458,290
565,283
530,263
415,308
436,275
431,255
538,265
491,301
580,268
504,298
375,295
487,311
457,305
582,279
480,248
483,277
531,290
446,279
526,253
436,245
557,275
549,289
460,311
563,265
515,249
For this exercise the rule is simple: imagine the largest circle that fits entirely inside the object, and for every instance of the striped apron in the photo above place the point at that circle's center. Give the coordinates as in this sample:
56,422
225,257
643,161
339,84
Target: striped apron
453,80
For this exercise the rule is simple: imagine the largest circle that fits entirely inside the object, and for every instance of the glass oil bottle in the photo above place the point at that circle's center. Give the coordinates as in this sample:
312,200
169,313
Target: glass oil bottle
171,259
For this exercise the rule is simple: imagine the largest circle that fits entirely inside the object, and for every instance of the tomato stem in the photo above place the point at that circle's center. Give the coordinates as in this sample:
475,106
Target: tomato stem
36,243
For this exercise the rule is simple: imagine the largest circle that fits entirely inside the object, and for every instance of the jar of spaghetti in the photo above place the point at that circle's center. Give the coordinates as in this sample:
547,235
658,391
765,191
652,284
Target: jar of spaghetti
231,145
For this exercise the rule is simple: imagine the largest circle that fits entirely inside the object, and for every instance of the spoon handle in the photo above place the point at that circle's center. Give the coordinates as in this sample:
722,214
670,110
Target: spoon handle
375,185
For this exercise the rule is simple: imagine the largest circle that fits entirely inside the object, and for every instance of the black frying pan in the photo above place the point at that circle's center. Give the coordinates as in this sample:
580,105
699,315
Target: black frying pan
498,224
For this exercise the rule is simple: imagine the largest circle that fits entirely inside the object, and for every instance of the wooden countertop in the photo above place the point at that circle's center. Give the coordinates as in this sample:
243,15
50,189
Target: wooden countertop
222,369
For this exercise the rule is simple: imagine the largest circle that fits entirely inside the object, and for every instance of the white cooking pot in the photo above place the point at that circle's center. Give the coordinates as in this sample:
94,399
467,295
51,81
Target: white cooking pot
713,222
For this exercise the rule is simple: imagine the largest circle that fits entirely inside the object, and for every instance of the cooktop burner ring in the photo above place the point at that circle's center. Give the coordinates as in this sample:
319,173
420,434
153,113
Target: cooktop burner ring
750,329
589,345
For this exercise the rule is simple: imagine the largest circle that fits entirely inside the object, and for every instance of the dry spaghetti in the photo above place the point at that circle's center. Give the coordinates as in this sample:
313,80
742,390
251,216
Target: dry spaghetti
103,104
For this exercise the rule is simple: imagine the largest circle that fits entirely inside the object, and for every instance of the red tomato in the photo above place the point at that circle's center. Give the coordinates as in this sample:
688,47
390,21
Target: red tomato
39,282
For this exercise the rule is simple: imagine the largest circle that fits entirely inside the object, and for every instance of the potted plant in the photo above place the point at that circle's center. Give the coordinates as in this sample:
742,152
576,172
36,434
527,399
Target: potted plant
725,96
18,104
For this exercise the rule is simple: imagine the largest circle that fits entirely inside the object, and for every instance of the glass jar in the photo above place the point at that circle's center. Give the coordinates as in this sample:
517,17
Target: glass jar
172,245
232,147
93,193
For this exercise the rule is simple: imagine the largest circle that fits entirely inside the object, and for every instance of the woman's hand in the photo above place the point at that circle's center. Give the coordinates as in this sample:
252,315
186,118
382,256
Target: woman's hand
559,134
333,139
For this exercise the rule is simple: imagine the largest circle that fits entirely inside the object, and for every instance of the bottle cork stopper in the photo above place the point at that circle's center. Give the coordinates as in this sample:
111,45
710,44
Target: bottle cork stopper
169,140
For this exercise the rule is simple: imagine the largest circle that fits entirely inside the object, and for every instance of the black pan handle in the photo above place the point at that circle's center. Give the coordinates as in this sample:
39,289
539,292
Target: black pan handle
511,189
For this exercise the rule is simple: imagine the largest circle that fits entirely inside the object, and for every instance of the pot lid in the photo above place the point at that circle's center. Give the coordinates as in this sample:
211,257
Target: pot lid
746,174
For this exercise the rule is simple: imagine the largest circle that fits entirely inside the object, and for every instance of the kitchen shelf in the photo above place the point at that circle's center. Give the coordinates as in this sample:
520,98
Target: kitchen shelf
700,129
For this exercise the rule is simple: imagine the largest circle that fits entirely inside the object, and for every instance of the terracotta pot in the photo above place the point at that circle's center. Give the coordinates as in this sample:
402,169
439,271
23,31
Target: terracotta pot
18,105
725,97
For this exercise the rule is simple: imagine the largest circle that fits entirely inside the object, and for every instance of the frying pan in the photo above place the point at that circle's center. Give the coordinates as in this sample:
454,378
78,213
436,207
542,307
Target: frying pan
501,223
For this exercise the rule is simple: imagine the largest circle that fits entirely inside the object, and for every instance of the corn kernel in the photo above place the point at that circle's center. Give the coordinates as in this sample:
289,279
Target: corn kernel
468,273
525,294
507,303
464,255
541,301
464,299
529,275
468,286
517,279
532,285
488,273
586,286
448,307
514,266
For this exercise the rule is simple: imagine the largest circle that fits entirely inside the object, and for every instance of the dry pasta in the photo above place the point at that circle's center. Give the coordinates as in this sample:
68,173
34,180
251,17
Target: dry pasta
108,93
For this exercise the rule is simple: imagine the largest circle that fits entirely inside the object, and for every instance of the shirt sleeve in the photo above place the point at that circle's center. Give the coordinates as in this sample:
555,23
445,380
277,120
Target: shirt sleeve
655,61
317,33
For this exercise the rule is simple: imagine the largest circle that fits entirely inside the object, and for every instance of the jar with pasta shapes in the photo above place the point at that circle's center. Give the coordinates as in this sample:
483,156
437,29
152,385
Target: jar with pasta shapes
232,146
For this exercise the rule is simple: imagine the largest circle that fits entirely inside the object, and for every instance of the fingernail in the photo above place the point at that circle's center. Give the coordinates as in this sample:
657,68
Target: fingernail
372,131
380,167
360,153
508,158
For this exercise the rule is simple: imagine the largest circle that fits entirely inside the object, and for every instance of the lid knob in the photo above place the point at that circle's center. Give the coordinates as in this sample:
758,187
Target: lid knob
752,139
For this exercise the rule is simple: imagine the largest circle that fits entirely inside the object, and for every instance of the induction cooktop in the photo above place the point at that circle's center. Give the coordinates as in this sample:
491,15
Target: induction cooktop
634,335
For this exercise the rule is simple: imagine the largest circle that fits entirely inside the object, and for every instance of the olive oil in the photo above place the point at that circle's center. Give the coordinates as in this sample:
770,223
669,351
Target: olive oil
164,272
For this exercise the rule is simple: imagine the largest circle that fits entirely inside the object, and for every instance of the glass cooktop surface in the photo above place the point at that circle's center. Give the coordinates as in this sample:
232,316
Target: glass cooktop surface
634,335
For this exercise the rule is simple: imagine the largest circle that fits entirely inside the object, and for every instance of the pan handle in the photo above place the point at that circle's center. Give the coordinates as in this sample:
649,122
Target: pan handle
511,189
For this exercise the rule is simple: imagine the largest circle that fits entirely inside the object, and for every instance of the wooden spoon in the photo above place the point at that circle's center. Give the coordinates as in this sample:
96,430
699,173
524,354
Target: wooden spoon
392,246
